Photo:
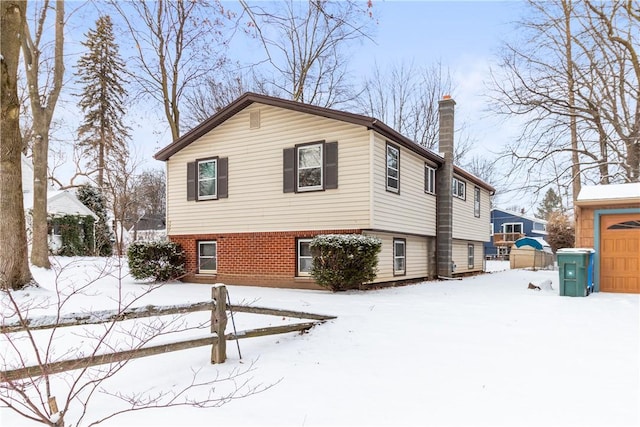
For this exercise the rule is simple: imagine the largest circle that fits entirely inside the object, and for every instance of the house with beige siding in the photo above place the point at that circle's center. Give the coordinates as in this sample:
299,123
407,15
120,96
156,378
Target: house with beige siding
249,187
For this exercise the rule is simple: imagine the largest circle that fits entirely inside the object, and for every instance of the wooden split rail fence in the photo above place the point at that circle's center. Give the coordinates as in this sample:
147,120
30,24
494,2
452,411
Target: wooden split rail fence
217,305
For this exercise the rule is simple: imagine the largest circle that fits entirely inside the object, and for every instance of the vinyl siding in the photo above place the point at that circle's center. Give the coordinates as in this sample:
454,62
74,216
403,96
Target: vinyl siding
460,256
465,225
256,202
410,211
417,254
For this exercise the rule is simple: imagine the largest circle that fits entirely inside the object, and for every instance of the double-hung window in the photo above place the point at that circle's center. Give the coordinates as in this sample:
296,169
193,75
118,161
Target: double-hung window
309,167
207,257
458,188
429,179
393,168
470,255
305,259
476,202
512,227
207,179
399,257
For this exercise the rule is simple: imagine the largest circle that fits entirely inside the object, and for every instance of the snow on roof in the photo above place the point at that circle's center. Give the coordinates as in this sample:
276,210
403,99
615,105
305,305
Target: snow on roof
610,192
61,202
520,215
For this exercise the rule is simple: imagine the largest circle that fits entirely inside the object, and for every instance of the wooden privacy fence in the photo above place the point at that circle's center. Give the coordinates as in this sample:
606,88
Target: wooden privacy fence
530,258
217,305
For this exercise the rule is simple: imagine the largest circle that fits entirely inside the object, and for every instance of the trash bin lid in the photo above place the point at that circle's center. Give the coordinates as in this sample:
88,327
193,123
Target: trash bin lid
576,250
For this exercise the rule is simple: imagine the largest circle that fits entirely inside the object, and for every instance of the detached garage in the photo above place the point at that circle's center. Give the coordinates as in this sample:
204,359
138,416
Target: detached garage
608,220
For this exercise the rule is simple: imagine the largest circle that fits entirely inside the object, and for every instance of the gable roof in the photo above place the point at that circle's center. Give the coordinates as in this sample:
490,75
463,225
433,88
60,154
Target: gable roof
62,202
519,215
609,193
249,98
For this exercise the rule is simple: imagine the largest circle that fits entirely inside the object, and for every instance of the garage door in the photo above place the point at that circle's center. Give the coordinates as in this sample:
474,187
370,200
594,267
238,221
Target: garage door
620,253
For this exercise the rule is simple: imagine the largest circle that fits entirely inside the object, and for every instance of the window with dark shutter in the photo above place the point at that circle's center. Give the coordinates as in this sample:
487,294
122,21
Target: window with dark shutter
311,166
208,179
331,165
223,174
288,172
191,181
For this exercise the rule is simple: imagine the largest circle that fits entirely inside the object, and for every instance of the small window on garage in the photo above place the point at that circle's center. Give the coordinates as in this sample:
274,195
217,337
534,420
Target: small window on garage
470,255
626,225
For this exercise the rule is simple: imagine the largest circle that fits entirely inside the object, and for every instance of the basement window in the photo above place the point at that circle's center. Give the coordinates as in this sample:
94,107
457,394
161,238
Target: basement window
208,257
305,259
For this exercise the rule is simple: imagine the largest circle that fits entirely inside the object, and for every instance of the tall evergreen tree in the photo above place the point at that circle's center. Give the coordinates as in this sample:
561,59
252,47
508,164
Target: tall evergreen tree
551,203
102,134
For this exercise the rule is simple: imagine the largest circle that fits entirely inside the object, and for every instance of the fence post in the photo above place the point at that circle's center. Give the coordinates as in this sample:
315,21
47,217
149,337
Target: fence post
219,323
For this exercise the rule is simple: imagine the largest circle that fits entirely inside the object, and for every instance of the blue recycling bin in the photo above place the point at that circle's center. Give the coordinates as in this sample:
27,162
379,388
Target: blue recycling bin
590,279
576,271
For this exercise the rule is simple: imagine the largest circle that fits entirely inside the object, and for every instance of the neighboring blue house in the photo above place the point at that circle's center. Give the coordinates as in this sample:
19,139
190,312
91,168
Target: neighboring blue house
507,227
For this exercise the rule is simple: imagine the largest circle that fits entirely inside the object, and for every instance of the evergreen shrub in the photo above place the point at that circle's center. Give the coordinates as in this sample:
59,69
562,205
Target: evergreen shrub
160,261
76,233
344,261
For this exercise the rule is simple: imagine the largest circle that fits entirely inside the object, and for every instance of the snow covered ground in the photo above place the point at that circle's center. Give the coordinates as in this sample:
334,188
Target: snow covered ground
482,351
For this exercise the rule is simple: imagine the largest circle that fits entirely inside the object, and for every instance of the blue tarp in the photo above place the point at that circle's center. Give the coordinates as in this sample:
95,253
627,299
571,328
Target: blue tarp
535,243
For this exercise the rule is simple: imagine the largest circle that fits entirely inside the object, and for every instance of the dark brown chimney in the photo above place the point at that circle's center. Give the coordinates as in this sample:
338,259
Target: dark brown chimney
444,197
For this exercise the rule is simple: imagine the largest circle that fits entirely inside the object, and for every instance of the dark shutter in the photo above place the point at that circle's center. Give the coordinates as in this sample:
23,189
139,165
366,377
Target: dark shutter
331,165
288,170
223,177
191,181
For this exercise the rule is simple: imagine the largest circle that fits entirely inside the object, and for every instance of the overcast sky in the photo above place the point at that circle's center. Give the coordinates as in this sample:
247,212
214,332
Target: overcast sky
464,37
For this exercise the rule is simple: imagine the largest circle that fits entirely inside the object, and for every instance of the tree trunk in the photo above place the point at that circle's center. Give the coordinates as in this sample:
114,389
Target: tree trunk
42,107
575,159
39,230
14,265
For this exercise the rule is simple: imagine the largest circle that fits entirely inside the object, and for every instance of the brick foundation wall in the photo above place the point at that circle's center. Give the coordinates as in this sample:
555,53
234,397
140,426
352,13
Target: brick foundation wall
256,259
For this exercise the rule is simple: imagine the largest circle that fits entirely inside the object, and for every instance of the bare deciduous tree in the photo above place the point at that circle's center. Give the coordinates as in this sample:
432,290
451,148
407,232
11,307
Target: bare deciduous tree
44,82
406,98
214,94
613,27
574,80
305,45
177,43
119,185
14,263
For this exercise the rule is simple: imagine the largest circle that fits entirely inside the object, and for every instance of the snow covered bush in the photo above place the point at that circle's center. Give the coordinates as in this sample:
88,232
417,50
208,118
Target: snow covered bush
344,261
160,261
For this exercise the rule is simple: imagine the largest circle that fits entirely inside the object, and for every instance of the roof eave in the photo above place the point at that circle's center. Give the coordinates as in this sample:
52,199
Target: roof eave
608,202
370,123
